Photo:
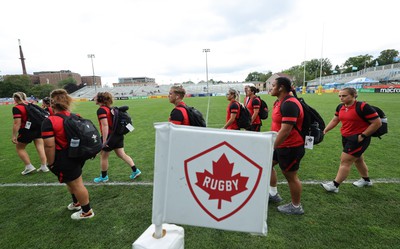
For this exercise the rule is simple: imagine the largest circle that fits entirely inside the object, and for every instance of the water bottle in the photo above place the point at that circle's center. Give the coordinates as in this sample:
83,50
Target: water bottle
73,150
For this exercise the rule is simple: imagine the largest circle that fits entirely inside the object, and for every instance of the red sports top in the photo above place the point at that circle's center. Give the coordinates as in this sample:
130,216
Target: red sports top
53,126
179,115
352,123
233,107
19,111
254,103
292,113
105,112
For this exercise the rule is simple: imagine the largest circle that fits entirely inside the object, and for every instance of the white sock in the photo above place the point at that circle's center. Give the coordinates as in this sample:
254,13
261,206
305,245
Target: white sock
296,206
29,166
43,166
273,190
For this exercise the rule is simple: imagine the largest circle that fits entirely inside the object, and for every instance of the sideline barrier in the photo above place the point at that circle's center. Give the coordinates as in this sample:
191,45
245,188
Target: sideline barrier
212,178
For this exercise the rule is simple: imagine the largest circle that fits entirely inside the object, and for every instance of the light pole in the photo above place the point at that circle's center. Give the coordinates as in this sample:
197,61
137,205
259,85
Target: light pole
207,50
91,56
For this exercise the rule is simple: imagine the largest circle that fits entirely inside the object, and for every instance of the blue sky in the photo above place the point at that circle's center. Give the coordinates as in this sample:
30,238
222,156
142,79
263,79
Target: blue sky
164,39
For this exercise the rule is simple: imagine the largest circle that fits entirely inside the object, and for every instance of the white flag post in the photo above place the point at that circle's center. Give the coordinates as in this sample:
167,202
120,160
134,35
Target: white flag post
209,178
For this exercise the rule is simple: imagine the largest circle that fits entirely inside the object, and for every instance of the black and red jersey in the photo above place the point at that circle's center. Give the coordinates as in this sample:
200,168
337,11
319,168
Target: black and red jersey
53,126
102,113
252,104
179,115
19,111
290,112
352,123
233,107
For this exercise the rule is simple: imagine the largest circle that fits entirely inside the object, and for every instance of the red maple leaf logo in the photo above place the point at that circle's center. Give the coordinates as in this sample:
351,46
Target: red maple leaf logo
221,185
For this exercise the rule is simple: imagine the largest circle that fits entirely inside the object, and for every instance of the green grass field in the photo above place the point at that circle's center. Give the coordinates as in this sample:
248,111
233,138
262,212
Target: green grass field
33,213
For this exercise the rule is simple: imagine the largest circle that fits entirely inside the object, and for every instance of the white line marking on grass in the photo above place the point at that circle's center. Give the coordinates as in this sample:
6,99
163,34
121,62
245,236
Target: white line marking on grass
312,182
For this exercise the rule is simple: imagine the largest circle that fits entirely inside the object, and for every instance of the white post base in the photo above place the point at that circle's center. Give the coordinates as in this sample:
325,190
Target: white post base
173,238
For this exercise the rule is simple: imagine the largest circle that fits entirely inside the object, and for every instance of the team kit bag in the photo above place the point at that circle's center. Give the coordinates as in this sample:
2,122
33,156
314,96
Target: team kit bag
122,121
36,116
84,140
312,129
263,112
195,116
244,118
384,127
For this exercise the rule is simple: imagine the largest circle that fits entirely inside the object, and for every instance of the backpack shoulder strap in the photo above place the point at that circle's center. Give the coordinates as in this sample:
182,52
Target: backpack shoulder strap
359,109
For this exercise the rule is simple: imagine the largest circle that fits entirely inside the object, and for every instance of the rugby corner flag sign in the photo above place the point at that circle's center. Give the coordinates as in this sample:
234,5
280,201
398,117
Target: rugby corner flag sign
212,177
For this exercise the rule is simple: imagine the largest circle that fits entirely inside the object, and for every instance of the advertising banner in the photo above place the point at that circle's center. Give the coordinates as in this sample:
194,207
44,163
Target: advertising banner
212,177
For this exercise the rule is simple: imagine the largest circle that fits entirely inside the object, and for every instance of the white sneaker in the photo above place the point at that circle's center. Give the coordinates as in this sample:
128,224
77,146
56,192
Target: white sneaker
74,206
43,169
80,215
330,187
361,183
28,170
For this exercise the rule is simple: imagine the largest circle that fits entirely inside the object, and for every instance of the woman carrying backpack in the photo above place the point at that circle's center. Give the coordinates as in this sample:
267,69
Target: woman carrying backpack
253,105
355,138
22,135
67,170
232,111
111,141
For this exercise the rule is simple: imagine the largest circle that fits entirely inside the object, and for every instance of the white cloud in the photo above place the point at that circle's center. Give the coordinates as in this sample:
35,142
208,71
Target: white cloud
164,39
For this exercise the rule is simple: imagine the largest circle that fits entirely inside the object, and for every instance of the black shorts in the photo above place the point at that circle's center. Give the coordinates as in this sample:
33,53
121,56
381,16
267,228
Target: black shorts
254,127
115,142
352,147
289,158
26,136
65,168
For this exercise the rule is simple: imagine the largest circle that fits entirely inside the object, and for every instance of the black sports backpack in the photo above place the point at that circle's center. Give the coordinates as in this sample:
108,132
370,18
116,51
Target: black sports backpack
244,118
313,124
263,112
384,127
84,140
195,116
121,120
36,115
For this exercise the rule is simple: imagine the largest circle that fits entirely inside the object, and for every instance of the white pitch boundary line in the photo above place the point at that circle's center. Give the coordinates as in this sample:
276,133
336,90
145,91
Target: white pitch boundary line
55,184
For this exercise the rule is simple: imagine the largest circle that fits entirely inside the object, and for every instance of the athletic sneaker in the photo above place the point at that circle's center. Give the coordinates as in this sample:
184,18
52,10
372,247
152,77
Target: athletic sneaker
80,215
290,209
74,206
135,174
101,179
275,198
330,187
28,170
361,183
43,169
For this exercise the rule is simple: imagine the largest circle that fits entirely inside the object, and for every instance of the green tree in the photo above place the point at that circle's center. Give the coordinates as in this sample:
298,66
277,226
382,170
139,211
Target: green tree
71,87
41,91
387,57
14,83
64,82
360,62
256,76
